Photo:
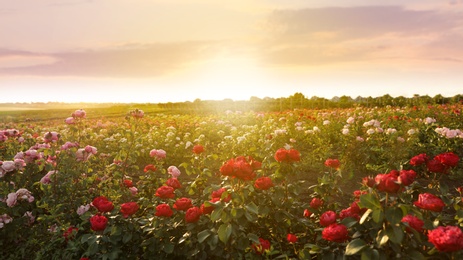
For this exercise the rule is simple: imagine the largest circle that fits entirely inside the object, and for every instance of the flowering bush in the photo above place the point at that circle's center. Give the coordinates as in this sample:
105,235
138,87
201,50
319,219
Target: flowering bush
254,186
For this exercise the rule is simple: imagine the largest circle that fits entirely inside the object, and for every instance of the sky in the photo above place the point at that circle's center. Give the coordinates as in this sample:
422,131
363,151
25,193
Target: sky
155,51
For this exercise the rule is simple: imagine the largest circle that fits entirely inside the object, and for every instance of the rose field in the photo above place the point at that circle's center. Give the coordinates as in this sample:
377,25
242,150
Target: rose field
355,183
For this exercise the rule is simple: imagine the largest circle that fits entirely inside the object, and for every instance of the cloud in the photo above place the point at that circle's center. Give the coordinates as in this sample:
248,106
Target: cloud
150,60
317,36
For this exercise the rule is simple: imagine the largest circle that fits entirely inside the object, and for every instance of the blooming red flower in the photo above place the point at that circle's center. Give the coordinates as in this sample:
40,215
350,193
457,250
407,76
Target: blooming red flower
436,166
369,181
218,194
263,183
413,222
350,213
307,213
165,192
84,258
197,149
294,155
129,208
316,203
261,247
128,183
335,233
388,182
419,159
285,155
192,215
446,239
183,204
328,218
174,183
149,167
332,163
406,177
164,210
430,202
206,210
68,234
358,193
238,167
291,238
98,222
103,204
448,159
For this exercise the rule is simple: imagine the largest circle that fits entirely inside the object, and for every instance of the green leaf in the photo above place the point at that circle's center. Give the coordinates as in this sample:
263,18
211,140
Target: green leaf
203,235
355,246
216,214
252,208
253,237
168,248
126,238
237,213
378,215
369,201
224,232
394,215
116,231
395,234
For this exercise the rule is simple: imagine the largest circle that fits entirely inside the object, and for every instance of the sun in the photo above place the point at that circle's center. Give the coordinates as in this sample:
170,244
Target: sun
231,77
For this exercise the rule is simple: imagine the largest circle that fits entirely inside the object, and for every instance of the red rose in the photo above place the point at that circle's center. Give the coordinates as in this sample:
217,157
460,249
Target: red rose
284,155
129,208
436,166
291,238
327,218
307,213
197,149
430,202
406,177
239,167
316,203
335,233
206,210
219,193
419,159
149,167
281,154
448,159
174,183
261,247
263,183
68,234
84,258
183,204
388,182
164,210
128,183
369,181
192,215
446,239
349,213
165,192
332,163
413,222
294,155
103,204
98,222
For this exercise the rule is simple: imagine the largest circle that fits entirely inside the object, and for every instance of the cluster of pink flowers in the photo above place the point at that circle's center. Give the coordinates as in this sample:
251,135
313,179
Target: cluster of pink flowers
20,195
46,179
137,113
83,154
78,114
51,137
158,154
5,219
4,134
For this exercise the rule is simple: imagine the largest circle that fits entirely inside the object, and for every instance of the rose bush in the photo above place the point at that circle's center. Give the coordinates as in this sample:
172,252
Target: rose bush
258,186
